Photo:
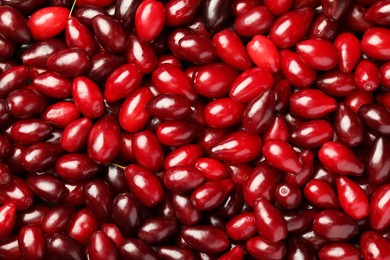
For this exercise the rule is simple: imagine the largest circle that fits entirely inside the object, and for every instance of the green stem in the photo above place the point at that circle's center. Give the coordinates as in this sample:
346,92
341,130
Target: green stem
71,9
117,165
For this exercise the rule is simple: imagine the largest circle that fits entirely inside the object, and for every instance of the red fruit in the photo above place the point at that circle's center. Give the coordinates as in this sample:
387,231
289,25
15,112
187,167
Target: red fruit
223,112
169,107
291,27
348,50
18,193
122,82
132,115
98,197
75,135
14,26
374,246
296,247
323,28
182,178
126,213
197,49
335,226
88,97
296,71
214,80
177,133
206,239
321,194
7,220
101,247
141,54
385,74
38,53
269,221
352,198
180,12
340,159
238,147
32,242
29,131
173,252
231,49
211,169
336,83
259,113
186,155
376,43
157,230
257,20
379,208
76,167
149,20
311,104
241,226
185,211
13,79
336,250
25,103
288,196
57,219
367,76
258,245
144,184
375,117
378,13
282,156
5,174
53,85
47,188
311,134
250,84
61,245
77,35
262,181
334,9
147,150
318,54
112,231
299,220
278,7
168,78
40,156
104,140
110,33
277,130
83,225
61,114
48,22
211,194
357,99
264,53
216,14
378,161
282,95
133,248
102,65
236,252
70,62
351,133
355,17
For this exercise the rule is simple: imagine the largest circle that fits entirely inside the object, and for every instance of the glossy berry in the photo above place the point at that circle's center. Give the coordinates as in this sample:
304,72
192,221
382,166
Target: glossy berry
149,20
48,22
